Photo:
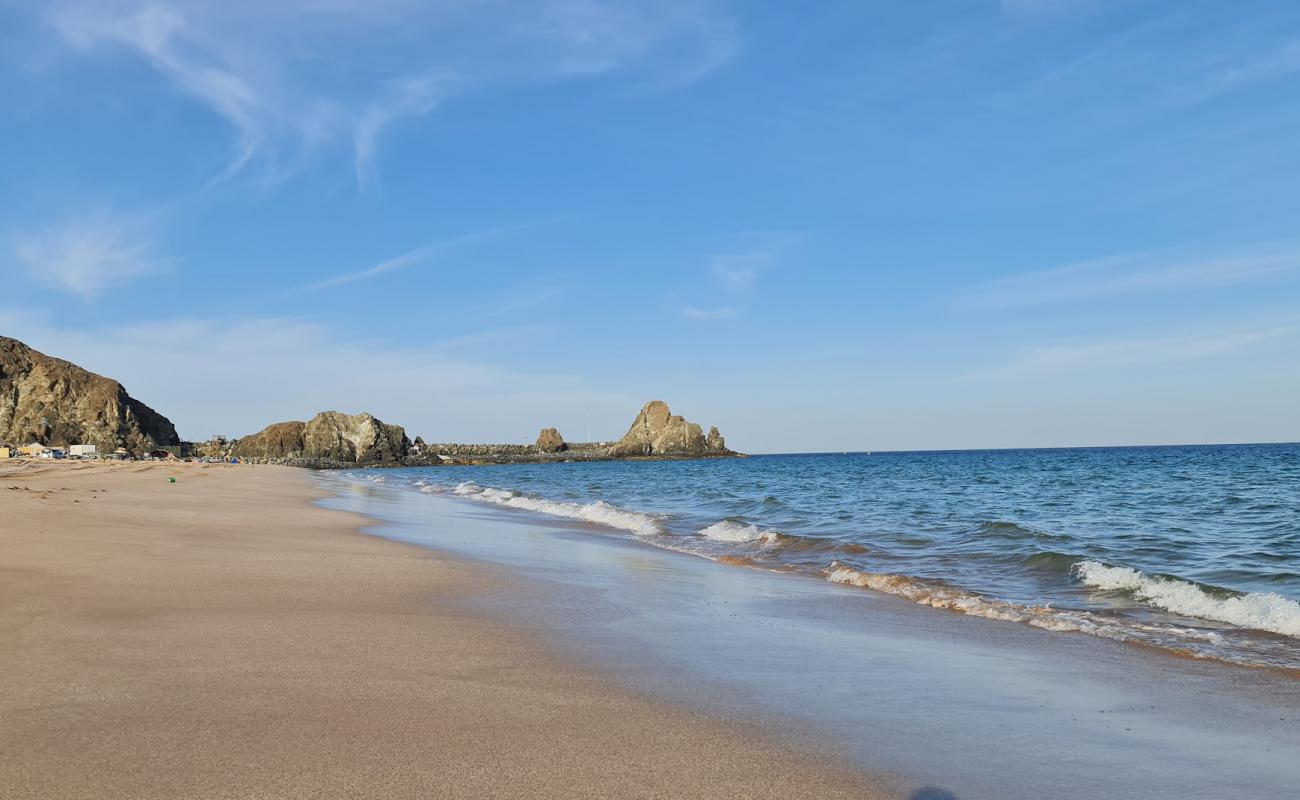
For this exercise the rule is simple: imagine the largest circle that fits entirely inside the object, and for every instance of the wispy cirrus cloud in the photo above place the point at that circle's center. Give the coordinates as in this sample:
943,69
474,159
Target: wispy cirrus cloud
410,258
270,70
87,255
419,255
188,368
407,97
1131,273
1135,351
1275,63
737,272
177,49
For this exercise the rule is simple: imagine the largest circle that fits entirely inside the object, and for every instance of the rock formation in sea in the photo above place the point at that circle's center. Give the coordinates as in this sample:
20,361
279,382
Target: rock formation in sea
658,432
550,441
329,436
55,402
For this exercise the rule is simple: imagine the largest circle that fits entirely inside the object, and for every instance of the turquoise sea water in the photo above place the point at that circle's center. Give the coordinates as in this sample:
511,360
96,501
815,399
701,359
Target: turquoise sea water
1194,549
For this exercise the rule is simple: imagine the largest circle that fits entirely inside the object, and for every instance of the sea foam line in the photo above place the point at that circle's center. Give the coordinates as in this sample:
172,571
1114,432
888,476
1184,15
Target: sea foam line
1264,611
599,512
1281,614
946,597
928,593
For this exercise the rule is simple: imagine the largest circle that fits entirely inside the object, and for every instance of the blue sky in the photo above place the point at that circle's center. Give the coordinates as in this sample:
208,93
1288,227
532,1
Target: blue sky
846,225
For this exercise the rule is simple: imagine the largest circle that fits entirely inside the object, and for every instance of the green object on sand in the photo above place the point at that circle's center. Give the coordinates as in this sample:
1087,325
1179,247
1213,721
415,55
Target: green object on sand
171,480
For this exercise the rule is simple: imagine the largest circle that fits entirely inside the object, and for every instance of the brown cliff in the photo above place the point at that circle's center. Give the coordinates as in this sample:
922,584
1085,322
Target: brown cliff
55,402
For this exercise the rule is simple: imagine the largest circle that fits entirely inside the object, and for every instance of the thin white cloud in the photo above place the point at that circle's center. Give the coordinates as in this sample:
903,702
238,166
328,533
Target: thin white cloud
410,258
268,70
409,97
283,368
752,253
87,255
738,272
724,312
1250,70
163,37
529,296
591,37
1118,353
419,255
1153,271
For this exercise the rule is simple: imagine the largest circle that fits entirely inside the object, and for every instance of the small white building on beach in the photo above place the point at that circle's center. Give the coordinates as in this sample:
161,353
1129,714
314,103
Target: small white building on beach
78,450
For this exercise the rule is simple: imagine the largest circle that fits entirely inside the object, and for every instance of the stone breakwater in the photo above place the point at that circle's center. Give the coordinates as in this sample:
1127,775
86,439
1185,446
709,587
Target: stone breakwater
447,454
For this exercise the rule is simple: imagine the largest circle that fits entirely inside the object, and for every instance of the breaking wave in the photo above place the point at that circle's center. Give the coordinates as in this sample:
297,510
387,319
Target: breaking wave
730,530
1189,641
1261,611
939,595
599,512
1259,628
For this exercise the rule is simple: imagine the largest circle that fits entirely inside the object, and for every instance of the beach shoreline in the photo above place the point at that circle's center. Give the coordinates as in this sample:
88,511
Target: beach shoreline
987,709
221,636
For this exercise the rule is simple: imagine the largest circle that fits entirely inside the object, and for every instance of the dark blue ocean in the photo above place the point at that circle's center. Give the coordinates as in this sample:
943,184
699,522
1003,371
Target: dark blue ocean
1193,549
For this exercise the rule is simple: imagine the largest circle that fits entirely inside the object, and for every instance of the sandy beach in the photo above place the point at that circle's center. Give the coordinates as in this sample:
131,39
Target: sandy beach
221,637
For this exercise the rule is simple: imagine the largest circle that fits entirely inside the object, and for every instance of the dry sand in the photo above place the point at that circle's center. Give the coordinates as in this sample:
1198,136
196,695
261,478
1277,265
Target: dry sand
222,637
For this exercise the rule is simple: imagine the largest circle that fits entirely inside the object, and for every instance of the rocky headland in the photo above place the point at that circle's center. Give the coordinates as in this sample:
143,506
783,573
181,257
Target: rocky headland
50,401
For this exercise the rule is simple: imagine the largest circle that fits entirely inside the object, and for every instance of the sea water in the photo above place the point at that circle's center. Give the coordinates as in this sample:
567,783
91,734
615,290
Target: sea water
1191,549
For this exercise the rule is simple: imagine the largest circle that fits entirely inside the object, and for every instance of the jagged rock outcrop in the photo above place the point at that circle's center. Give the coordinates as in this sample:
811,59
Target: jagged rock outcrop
55,402
550,441
360,438
657,432
329,436
280,440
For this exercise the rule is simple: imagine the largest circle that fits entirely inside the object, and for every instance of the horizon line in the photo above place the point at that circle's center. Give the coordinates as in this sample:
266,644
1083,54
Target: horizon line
1013,448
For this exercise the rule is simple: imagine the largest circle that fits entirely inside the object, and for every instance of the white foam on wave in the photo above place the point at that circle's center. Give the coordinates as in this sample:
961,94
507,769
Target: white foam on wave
1269,612
946,597
934,595
599,512
1266,611
729,530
